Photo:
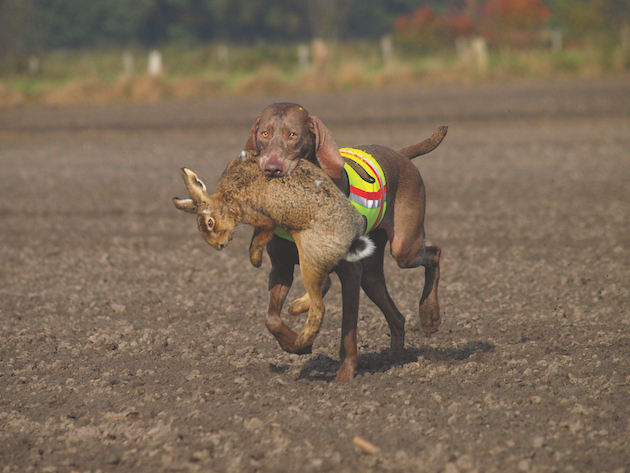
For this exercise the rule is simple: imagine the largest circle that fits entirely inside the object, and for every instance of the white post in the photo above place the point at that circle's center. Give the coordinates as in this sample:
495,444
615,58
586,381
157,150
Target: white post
302,51
556,40
320,53
464,52
154,67
387,48
224,54
33,66
479,48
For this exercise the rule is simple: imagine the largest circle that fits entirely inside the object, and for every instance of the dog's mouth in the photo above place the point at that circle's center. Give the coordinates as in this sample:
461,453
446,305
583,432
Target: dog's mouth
292,164
279,168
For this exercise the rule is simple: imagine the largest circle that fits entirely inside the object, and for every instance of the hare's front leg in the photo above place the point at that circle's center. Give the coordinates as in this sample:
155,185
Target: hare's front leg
260,238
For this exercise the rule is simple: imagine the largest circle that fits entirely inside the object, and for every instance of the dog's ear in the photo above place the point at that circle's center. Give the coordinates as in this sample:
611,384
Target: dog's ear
252,143
326,149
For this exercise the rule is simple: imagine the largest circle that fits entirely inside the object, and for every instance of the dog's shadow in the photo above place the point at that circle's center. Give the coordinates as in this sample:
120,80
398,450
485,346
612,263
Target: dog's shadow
324,368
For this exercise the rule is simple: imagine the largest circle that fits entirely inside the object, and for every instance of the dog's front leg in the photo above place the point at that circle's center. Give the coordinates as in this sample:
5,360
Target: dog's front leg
375,287
350,277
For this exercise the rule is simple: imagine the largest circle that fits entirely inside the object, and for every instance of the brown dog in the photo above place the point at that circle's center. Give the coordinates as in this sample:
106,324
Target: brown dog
285,133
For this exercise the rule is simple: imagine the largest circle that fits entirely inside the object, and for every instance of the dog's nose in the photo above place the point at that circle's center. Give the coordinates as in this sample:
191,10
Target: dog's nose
273,169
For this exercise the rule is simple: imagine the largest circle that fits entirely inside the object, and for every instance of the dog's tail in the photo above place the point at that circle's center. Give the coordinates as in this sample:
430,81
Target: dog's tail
425,146
360,248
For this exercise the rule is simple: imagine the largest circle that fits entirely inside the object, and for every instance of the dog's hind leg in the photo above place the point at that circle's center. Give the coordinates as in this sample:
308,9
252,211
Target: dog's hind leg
429,307
408,245
374,286
429,258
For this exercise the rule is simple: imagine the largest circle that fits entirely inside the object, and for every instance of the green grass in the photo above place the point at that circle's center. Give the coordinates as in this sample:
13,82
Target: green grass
98,76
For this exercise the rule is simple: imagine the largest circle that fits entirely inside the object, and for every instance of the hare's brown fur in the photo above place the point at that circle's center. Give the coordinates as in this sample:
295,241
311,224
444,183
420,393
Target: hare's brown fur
305,203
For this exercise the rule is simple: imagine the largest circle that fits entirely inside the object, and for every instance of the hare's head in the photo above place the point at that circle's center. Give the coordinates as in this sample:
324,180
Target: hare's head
214,221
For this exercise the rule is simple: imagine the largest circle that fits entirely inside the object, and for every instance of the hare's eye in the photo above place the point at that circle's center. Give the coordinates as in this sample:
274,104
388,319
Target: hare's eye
210,223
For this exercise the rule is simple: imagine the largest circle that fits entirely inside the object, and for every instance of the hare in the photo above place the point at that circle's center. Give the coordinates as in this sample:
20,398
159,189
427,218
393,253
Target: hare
305,203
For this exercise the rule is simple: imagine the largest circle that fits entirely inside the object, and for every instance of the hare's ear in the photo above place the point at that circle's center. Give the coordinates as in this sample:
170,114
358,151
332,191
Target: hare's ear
327,152
187,205
252,143
196,188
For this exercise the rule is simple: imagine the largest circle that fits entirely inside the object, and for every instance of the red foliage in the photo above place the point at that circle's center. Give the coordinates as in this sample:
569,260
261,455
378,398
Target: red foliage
425,30
421,16
502,22
513,22
461,25
516,13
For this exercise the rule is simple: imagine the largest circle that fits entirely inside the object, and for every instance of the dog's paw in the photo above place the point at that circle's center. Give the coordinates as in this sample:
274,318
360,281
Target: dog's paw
430,319
345,374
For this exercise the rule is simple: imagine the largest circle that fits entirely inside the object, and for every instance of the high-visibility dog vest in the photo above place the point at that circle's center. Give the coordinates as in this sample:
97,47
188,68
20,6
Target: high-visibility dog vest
368,193
368,196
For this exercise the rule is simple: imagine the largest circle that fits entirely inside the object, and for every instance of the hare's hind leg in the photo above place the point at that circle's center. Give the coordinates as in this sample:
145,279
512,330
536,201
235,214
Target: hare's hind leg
314,279
302,304
284,256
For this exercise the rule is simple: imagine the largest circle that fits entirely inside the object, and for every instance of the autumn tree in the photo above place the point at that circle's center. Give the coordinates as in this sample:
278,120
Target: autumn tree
426,31
513,22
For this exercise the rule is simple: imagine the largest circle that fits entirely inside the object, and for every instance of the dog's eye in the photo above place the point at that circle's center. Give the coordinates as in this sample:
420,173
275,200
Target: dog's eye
292,135
264,134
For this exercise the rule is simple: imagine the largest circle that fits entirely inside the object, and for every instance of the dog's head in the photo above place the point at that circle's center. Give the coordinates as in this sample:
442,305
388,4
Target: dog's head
284,133
216,224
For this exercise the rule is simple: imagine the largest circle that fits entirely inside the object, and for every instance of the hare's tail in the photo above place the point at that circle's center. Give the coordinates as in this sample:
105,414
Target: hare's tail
360,248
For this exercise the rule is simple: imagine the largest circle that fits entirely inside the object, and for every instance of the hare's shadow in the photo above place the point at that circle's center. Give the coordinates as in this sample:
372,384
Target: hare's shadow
324,368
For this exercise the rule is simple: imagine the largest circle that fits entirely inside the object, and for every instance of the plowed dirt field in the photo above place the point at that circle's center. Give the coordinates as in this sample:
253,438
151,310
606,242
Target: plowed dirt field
127,344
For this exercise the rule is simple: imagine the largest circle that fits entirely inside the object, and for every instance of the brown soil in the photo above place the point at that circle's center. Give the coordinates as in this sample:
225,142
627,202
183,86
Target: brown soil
127,344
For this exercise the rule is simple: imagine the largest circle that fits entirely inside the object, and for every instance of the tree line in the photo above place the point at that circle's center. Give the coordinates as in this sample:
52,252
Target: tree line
31,26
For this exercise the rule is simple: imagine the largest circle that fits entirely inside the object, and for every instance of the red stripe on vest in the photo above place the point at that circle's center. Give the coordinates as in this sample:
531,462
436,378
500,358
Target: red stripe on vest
378,195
